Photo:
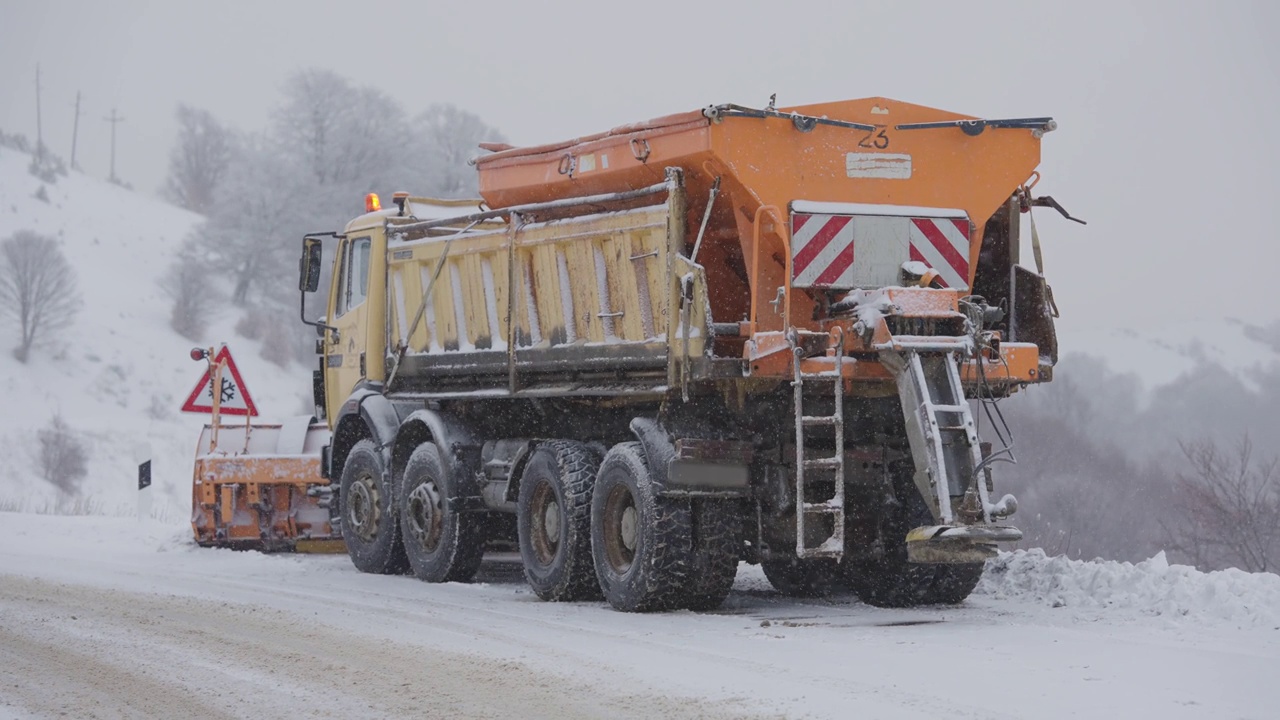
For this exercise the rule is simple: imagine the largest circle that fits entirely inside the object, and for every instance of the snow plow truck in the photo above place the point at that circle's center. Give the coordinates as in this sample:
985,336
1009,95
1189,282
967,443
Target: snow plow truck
726,335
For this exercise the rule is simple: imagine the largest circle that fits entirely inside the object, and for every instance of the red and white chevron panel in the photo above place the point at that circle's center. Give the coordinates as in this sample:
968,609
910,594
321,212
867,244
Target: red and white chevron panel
942,244
824,245
822,251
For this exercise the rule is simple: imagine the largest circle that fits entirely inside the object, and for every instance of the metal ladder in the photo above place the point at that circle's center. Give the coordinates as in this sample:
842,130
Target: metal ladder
833,546
940,428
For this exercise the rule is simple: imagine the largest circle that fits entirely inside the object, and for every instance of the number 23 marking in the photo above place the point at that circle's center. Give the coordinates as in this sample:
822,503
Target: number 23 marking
875,139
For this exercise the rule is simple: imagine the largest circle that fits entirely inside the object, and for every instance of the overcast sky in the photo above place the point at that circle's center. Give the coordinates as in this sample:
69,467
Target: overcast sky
1167,111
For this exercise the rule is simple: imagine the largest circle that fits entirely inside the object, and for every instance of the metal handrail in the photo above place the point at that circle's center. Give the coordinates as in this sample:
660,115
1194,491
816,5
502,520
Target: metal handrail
532,208
755,265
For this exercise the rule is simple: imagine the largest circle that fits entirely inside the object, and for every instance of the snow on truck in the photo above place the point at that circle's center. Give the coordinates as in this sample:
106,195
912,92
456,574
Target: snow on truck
730,334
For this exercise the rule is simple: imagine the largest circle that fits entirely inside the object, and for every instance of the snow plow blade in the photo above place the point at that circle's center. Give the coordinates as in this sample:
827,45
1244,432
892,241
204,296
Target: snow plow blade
258,487
949,544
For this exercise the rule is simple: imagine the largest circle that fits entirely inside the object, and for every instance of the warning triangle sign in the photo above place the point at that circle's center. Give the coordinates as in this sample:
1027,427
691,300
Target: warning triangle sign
235,398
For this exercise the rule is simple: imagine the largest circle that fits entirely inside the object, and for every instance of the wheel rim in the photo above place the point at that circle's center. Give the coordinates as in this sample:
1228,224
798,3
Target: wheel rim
363,512
425,515
621,520
545,518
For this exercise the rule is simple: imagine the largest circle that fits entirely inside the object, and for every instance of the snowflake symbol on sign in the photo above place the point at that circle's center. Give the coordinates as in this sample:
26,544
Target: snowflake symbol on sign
228,390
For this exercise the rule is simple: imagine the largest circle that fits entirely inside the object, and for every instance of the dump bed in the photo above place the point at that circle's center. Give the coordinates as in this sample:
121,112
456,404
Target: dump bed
569,305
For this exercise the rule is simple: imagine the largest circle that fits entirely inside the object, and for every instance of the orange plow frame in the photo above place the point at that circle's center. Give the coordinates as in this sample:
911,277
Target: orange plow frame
259,492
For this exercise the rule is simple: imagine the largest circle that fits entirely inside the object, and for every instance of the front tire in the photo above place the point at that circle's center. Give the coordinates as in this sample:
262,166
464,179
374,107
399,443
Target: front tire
640,541
367,508
442,543
554,521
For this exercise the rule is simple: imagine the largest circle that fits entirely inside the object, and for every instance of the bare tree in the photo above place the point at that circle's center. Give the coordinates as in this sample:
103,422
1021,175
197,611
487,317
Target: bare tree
369,151
1099,463
198,162
189,284
1227,508
452,137
1083,490
341,134
62,456
330,142
254,230
1081,497
316,104
37,288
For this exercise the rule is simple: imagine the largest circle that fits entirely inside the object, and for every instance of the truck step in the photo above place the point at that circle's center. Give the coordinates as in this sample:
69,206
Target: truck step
833,463
831,547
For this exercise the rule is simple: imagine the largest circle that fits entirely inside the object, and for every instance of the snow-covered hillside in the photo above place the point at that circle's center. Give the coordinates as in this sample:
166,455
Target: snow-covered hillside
119,374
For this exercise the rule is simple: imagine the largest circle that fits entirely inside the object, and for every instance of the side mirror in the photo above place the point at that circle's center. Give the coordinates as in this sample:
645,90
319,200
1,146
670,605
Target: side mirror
309,277
309,265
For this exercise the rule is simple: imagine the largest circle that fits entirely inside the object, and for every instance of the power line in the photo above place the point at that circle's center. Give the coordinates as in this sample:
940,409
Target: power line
75,132
114,120
39,127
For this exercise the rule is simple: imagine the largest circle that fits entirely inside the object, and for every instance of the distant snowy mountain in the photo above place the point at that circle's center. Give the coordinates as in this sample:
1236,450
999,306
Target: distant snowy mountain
1160,353
119,374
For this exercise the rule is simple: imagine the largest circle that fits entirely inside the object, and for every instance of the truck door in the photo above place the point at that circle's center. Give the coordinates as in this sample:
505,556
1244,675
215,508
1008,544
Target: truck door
345,361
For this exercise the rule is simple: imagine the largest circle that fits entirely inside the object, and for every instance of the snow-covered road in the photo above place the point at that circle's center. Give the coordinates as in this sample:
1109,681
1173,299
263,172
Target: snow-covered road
103,617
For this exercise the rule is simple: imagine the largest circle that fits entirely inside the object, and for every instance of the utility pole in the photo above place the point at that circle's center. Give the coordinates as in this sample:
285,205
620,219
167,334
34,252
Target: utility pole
114,120
39,129
75,132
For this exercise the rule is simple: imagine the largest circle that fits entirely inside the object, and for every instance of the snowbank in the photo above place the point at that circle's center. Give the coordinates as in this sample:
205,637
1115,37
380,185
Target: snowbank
1152,587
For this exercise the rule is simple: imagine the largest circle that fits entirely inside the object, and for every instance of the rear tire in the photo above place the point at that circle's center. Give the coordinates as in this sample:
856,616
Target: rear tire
815,577
717,547
442,543
554,521
367,508
640,541
893,582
